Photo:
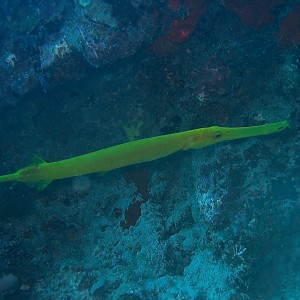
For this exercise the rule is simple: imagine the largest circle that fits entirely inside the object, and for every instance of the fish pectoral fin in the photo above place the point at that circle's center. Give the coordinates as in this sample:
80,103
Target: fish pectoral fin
41,185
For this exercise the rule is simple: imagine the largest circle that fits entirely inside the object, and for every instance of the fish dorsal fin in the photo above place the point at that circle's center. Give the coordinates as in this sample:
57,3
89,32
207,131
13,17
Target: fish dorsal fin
42,184
36,160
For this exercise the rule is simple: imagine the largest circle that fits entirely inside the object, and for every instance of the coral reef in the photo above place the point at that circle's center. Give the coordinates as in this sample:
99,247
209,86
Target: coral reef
53,42
217,223
254,13
289,31
180,29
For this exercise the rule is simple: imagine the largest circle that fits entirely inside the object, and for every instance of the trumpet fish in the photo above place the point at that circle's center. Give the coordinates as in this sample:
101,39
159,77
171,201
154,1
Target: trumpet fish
42,173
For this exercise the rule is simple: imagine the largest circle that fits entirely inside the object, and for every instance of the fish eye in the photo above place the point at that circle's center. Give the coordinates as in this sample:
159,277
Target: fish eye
218,135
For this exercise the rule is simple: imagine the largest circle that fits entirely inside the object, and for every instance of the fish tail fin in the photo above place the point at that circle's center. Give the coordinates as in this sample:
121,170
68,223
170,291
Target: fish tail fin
19,175
8,177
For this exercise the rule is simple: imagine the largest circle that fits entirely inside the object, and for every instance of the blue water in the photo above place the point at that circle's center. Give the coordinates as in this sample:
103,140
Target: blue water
220,222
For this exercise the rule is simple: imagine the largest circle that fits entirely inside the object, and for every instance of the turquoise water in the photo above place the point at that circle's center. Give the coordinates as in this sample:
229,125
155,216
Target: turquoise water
220,222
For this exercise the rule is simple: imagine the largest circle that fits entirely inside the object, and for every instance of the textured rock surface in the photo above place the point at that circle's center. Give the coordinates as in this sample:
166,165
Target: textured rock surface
219,222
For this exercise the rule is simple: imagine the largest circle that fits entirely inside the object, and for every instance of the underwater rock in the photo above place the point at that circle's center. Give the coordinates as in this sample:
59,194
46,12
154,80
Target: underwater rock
181,28
255,14
289,31
99,11
8,283
56,42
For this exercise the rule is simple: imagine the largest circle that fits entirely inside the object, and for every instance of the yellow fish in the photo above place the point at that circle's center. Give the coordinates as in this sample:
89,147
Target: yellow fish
42,173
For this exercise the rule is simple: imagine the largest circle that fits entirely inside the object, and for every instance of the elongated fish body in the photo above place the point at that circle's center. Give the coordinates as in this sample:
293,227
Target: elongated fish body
135,152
